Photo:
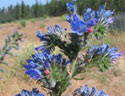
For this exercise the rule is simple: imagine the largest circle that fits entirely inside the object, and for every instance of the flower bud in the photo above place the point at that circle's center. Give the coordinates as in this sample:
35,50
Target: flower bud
47,72
89,30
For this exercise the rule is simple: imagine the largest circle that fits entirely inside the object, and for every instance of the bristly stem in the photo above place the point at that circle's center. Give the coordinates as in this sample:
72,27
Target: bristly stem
73,66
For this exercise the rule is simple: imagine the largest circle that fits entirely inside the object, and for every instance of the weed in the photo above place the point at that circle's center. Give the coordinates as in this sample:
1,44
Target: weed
23,23
23,54
11,71
20,58
33,20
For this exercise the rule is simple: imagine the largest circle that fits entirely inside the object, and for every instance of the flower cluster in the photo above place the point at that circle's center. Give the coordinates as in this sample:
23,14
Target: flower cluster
40,64
55,37
34,92
49,69
90,19
57,32
104,50
86,92
103,57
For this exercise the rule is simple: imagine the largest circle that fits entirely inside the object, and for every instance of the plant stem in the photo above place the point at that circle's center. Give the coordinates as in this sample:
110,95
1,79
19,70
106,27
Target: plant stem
73,67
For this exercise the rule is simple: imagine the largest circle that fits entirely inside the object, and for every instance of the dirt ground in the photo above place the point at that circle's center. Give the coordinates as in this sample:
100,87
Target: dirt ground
112,82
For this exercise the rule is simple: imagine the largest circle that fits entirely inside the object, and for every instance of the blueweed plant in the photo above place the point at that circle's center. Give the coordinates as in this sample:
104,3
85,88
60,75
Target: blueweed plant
34,92
11,42
54,71
86,92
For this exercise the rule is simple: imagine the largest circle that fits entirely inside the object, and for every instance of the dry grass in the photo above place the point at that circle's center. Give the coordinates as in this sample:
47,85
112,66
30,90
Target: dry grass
14,80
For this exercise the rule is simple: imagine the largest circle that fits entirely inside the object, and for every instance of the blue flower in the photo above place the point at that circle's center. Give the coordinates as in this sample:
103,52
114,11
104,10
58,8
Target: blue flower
42,36
40,48
93,91
42,61
92,49
77,25
104,50
110,20
31,64
92,22
113,50
32,69
50,30
34,92
101,93
71,7
89,14
115,55
56,30
34,73
58,59
107,13
102,13
91,18
46,64
69,18
86,91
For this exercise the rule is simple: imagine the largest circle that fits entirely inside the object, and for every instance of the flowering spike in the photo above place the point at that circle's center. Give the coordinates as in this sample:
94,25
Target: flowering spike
86,92
71,7
46,65
34,92
34,73
93,91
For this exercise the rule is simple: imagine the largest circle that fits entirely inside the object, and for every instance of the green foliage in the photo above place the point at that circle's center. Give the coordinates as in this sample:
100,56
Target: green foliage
11,42
58,82
23,23
102,62
100,29
33,20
